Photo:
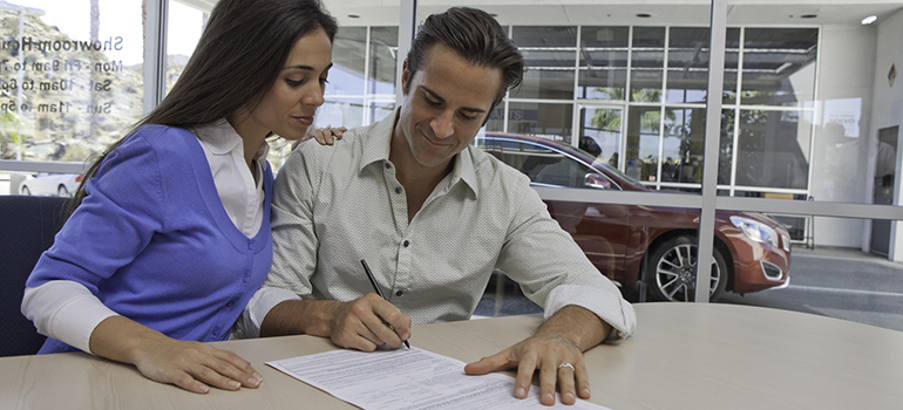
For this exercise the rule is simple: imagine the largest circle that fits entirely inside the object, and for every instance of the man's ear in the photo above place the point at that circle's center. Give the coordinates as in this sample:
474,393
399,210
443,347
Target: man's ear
405,77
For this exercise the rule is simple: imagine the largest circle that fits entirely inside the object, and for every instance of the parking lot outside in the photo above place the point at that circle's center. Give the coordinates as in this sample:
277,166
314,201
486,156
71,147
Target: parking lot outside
836,282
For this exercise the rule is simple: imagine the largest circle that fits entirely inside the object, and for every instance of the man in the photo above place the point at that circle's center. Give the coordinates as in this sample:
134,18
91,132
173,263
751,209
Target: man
433,216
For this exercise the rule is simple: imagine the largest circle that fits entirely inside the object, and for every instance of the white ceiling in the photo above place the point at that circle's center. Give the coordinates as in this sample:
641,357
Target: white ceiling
616,12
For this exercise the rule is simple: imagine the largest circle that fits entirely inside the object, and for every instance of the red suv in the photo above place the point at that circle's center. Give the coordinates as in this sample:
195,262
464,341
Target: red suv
641,246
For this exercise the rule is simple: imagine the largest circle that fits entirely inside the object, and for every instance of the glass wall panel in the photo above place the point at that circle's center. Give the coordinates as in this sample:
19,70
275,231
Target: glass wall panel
731,66
773,149
688,64
726,149
381,109
647,64
545,120
383,53
683,145
45,184
71,77
338,110
643,142
496,118
186,23
779,66
349,54
550,53
827,278
601,133
603,62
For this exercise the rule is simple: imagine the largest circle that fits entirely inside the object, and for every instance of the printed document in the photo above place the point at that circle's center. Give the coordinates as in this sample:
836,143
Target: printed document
409,379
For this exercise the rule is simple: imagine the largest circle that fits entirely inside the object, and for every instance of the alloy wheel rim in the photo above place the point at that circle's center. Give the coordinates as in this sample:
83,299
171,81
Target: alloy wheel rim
675,273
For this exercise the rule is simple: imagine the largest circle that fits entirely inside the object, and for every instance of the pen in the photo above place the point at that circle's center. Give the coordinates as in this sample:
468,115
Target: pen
378,291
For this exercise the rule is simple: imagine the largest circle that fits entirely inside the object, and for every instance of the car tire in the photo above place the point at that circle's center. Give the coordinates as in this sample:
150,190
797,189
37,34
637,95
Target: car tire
25,191
671,271
62,191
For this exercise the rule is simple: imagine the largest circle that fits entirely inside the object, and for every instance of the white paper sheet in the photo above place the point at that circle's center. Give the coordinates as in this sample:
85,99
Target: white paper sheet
409,379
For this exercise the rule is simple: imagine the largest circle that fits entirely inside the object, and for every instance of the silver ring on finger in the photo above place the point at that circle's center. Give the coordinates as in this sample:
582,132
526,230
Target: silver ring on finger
567,365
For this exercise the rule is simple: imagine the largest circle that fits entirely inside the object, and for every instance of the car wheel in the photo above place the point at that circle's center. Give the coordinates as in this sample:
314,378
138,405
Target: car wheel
26,191
671,271
62,191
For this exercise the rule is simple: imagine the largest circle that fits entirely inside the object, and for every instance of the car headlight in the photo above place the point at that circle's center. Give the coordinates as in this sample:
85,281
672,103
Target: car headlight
756,230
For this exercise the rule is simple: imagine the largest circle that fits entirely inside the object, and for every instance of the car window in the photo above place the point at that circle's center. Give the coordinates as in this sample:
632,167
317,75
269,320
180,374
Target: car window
543,165
491,147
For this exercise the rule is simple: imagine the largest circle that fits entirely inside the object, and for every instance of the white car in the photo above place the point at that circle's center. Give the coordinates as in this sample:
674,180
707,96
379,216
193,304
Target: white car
46,184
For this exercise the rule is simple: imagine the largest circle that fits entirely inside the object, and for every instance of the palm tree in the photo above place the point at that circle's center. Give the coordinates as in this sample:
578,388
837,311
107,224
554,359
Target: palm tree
610,120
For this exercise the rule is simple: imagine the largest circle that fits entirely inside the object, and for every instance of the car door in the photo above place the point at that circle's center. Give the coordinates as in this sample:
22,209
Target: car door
599,229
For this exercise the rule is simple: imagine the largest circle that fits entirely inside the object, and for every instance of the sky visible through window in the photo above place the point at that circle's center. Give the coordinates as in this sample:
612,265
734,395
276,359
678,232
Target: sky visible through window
118,18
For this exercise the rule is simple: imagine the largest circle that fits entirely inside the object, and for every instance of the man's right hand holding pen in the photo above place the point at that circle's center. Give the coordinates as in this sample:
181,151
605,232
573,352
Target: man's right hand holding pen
367,323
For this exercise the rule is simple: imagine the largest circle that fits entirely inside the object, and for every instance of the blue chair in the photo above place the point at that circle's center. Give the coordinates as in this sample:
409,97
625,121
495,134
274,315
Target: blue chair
27,227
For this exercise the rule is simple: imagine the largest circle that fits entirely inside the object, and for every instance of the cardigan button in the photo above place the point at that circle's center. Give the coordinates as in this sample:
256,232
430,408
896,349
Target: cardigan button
398,190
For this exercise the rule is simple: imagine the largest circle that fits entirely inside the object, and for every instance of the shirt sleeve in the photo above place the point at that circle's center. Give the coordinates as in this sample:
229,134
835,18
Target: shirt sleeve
295,243
65,310
553,271
295,239
264,300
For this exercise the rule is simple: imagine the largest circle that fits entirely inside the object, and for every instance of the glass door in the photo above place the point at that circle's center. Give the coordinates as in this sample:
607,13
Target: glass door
601,132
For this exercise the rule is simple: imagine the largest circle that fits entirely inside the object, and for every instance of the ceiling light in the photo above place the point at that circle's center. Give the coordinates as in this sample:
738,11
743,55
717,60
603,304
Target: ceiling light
809,16
644,15
354,16
869,20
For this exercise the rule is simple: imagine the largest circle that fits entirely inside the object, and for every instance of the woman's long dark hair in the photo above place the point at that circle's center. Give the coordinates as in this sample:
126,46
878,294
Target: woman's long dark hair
237,60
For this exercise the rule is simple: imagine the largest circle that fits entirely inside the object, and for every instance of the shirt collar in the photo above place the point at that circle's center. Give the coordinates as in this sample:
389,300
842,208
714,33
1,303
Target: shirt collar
378,142
221,139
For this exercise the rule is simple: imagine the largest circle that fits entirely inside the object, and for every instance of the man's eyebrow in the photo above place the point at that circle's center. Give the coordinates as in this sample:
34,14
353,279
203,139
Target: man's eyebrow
442,100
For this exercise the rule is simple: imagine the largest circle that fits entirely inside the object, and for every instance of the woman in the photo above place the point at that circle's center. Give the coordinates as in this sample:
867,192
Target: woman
170,233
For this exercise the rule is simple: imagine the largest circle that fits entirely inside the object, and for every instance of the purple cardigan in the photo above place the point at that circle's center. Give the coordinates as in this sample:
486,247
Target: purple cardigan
154,243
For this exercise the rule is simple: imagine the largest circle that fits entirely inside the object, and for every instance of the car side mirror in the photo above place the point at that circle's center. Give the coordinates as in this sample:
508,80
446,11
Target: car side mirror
594,180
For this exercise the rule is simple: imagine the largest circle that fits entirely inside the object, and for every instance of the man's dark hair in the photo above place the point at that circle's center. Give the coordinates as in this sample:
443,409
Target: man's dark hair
476,37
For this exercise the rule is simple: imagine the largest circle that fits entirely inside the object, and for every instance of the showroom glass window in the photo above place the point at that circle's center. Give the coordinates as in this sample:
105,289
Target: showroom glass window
71,77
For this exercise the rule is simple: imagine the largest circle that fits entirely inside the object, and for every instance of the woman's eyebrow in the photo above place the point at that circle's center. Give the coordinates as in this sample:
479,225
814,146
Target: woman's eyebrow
305,67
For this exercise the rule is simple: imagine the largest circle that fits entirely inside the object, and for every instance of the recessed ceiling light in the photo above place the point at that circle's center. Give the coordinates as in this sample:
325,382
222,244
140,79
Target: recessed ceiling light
354,16
869,20
644,15
809,16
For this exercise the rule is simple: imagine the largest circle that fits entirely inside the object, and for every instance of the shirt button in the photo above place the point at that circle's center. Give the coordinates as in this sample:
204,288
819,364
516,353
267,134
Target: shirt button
230,304
398,190
399,293
406,243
